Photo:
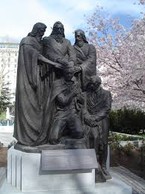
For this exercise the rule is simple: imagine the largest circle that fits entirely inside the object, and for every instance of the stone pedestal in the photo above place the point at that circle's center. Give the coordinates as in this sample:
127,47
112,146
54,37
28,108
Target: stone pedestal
26,175
25,172
113,186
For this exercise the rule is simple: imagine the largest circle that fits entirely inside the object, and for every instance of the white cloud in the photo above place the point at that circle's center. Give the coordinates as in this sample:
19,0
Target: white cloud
121,6
81,5
18,16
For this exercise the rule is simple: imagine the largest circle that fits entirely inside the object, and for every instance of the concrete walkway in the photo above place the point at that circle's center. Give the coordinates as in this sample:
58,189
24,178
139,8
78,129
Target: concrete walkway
6,135
113,186
2,175
137,183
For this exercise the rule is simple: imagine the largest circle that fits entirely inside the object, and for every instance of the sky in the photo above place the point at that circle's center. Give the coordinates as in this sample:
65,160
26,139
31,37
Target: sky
19,16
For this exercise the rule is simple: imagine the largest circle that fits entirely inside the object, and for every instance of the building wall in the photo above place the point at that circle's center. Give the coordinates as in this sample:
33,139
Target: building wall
8,66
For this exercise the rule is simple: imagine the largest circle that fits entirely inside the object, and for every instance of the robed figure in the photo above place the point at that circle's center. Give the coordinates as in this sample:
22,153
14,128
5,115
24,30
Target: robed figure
30,126
85,58
58,49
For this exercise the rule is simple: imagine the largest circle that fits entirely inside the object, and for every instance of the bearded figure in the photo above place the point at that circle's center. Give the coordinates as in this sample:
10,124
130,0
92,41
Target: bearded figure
58,49
85,59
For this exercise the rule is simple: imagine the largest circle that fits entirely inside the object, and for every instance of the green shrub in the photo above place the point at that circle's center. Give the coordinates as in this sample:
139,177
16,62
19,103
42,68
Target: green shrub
2,116
125,120
128,149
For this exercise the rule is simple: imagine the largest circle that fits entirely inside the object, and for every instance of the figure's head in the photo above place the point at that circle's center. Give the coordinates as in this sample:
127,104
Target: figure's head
58,29
38,30
68,72
80,37
94,83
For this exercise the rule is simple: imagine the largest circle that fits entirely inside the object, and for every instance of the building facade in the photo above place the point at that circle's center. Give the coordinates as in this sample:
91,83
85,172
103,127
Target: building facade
8,67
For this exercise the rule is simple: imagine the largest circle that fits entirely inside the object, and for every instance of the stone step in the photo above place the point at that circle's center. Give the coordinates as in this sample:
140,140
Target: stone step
2,175
136,182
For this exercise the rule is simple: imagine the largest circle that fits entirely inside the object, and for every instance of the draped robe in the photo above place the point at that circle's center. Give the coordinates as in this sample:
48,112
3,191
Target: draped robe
29,126
86,59
58,51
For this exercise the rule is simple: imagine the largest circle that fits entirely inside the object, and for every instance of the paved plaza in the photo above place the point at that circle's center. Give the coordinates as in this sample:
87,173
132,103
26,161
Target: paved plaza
6,135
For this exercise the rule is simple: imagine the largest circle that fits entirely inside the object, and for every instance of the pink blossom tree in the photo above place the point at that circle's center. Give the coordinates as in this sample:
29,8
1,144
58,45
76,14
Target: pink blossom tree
120,57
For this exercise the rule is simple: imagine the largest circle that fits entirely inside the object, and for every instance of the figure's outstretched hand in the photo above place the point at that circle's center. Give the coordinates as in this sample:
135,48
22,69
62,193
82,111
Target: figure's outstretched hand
49,62
77,69
90,121
63,62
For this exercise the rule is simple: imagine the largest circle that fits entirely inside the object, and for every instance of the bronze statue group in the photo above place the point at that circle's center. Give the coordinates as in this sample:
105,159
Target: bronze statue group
59,98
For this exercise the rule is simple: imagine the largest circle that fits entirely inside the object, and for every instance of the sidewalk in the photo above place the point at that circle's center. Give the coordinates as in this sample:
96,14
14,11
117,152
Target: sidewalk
2,175
6,135
136,182
113,186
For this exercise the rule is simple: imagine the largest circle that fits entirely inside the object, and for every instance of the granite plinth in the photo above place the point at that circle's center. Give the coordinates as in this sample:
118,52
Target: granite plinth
24,172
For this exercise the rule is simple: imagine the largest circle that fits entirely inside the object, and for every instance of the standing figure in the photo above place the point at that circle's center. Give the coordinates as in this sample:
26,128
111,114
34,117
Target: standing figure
65,96
97,108
58,49
28,128
85,58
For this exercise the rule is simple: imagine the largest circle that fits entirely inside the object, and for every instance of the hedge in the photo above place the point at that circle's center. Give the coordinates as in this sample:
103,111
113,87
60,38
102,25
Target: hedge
125,120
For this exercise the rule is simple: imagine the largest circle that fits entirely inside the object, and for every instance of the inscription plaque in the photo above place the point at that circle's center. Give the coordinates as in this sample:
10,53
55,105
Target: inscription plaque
62,160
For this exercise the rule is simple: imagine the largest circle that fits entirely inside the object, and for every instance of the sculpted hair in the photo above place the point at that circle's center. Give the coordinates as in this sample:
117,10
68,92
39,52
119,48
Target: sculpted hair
36,29
96,79
55,26
82,33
